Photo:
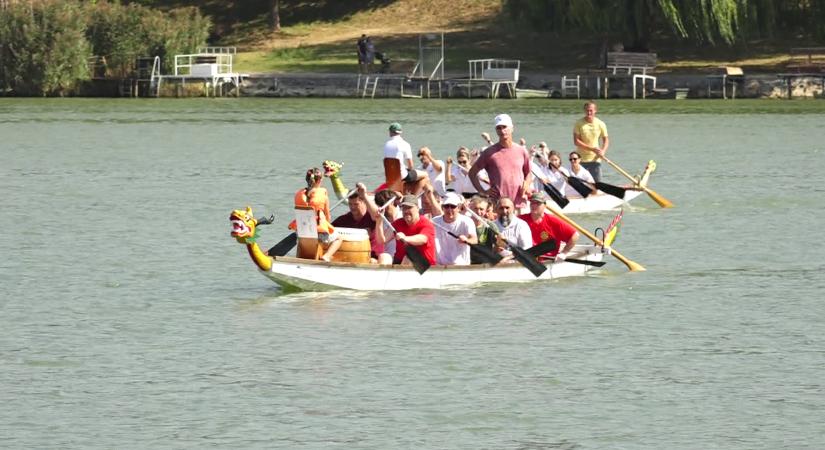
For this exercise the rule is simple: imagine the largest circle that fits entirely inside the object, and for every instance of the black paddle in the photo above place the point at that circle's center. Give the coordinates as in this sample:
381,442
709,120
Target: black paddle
521,255
286,244
584,187
554,193
550,245
418,260
485,253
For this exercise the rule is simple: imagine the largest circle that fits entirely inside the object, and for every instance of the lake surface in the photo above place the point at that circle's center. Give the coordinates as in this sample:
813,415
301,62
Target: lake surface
130,319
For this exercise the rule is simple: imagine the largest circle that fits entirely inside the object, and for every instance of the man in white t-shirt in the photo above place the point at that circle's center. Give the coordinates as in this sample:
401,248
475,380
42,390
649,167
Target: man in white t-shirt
435,170
452,250
514,231
396,147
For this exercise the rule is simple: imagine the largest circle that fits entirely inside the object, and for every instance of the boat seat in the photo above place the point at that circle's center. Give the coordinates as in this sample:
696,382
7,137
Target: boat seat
392,174
307,230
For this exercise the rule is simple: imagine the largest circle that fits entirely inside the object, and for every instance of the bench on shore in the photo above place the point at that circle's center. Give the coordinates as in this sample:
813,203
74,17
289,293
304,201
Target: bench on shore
630,62
807,59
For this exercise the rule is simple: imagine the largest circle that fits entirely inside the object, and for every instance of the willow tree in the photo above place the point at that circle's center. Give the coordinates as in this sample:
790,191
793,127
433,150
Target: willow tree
636,20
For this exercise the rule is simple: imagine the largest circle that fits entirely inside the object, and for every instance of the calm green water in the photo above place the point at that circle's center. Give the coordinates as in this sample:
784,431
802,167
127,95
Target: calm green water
130,319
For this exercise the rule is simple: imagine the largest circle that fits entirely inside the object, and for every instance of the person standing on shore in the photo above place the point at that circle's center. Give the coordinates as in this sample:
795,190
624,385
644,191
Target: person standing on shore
362,54
590,138
507,164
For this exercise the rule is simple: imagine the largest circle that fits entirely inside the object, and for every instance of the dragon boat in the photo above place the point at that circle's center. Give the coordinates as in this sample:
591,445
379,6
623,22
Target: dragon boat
351,267
305,272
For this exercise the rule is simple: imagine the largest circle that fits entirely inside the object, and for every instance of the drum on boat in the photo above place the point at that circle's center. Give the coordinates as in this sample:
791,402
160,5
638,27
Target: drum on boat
355,247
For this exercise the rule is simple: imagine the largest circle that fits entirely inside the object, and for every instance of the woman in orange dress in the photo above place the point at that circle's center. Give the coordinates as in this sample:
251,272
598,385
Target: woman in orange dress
316,197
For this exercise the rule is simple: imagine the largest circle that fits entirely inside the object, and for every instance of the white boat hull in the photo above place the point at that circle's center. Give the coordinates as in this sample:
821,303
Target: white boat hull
598,202
312,275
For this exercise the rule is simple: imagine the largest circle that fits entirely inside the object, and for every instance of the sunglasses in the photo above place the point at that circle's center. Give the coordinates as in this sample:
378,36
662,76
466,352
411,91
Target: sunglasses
449,206
574,159
462,161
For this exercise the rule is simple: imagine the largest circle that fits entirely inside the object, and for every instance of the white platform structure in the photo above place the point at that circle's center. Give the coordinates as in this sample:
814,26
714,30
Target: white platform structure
492,73
211,66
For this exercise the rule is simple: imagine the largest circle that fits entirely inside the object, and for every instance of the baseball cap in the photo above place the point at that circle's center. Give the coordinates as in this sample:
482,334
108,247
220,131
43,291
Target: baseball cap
395,127
503,119
451,199
538,197
409,200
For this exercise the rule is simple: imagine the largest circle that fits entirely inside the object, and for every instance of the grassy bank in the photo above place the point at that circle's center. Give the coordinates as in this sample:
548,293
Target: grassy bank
320,37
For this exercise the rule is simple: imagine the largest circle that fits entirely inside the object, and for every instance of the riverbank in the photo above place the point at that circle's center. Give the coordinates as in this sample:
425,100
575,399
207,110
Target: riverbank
591,85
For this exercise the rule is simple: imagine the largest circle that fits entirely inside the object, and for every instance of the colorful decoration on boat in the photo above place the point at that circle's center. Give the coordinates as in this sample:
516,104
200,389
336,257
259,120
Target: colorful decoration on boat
332,169
245,231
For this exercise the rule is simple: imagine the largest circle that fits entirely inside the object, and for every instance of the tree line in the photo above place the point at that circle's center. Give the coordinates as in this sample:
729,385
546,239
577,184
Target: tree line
46,45
704,21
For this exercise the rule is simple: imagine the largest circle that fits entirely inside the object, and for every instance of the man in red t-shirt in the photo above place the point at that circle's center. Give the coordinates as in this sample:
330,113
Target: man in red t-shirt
411,229
544,227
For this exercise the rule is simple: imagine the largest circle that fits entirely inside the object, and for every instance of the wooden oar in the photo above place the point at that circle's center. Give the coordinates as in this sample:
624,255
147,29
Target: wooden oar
485,253
286,244
521,255
418,260
633,266
661,201
551,190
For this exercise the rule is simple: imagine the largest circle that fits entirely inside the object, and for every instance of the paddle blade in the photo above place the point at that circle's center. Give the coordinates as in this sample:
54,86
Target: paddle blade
556,195
577,184
661,201
486,254
283,247
526,260
542,248
610,189
586,262
418,260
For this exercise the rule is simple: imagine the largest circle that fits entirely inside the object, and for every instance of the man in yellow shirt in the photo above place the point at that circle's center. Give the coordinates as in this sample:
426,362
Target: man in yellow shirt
590,138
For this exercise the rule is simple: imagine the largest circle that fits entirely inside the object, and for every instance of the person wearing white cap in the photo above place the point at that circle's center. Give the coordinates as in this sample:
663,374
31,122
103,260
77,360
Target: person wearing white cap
507,165
450,250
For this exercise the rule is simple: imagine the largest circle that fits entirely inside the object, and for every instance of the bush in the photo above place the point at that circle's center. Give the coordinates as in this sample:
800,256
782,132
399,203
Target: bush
45,44
43,47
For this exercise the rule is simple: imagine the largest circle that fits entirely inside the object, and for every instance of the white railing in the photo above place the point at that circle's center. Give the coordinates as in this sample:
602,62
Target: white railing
203,64
495,69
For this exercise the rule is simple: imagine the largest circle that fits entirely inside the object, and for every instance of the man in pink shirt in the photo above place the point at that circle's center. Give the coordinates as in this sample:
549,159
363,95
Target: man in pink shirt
507,164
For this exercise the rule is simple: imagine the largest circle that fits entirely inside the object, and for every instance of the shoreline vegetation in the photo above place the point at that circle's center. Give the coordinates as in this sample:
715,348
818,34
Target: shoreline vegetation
548,36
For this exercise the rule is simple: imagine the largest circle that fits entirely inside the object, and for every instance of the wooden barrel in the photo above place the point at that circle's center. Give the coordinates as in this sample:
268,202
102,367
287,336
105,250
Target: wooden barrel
355,247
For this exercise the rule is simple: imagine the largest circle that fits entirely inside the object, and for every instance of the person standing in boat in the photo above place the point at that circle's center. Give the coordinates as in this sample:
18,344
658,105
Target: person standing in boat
397,148
316,197
411,229
507,165
544,227
578,171
513,231
590,139
450,250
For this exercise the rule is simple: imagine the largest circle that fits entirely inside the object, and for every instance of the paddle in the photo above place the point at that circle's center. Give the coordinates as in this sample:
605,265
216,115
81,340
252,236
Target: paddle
584,187
551,190
550,245
418,260
633,266
661,201
521,255
286,244
484,252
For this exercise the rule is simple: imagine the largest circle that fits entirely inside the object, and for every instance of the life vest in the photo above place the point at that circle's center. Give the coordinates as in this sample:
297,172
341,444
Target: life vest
317,201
